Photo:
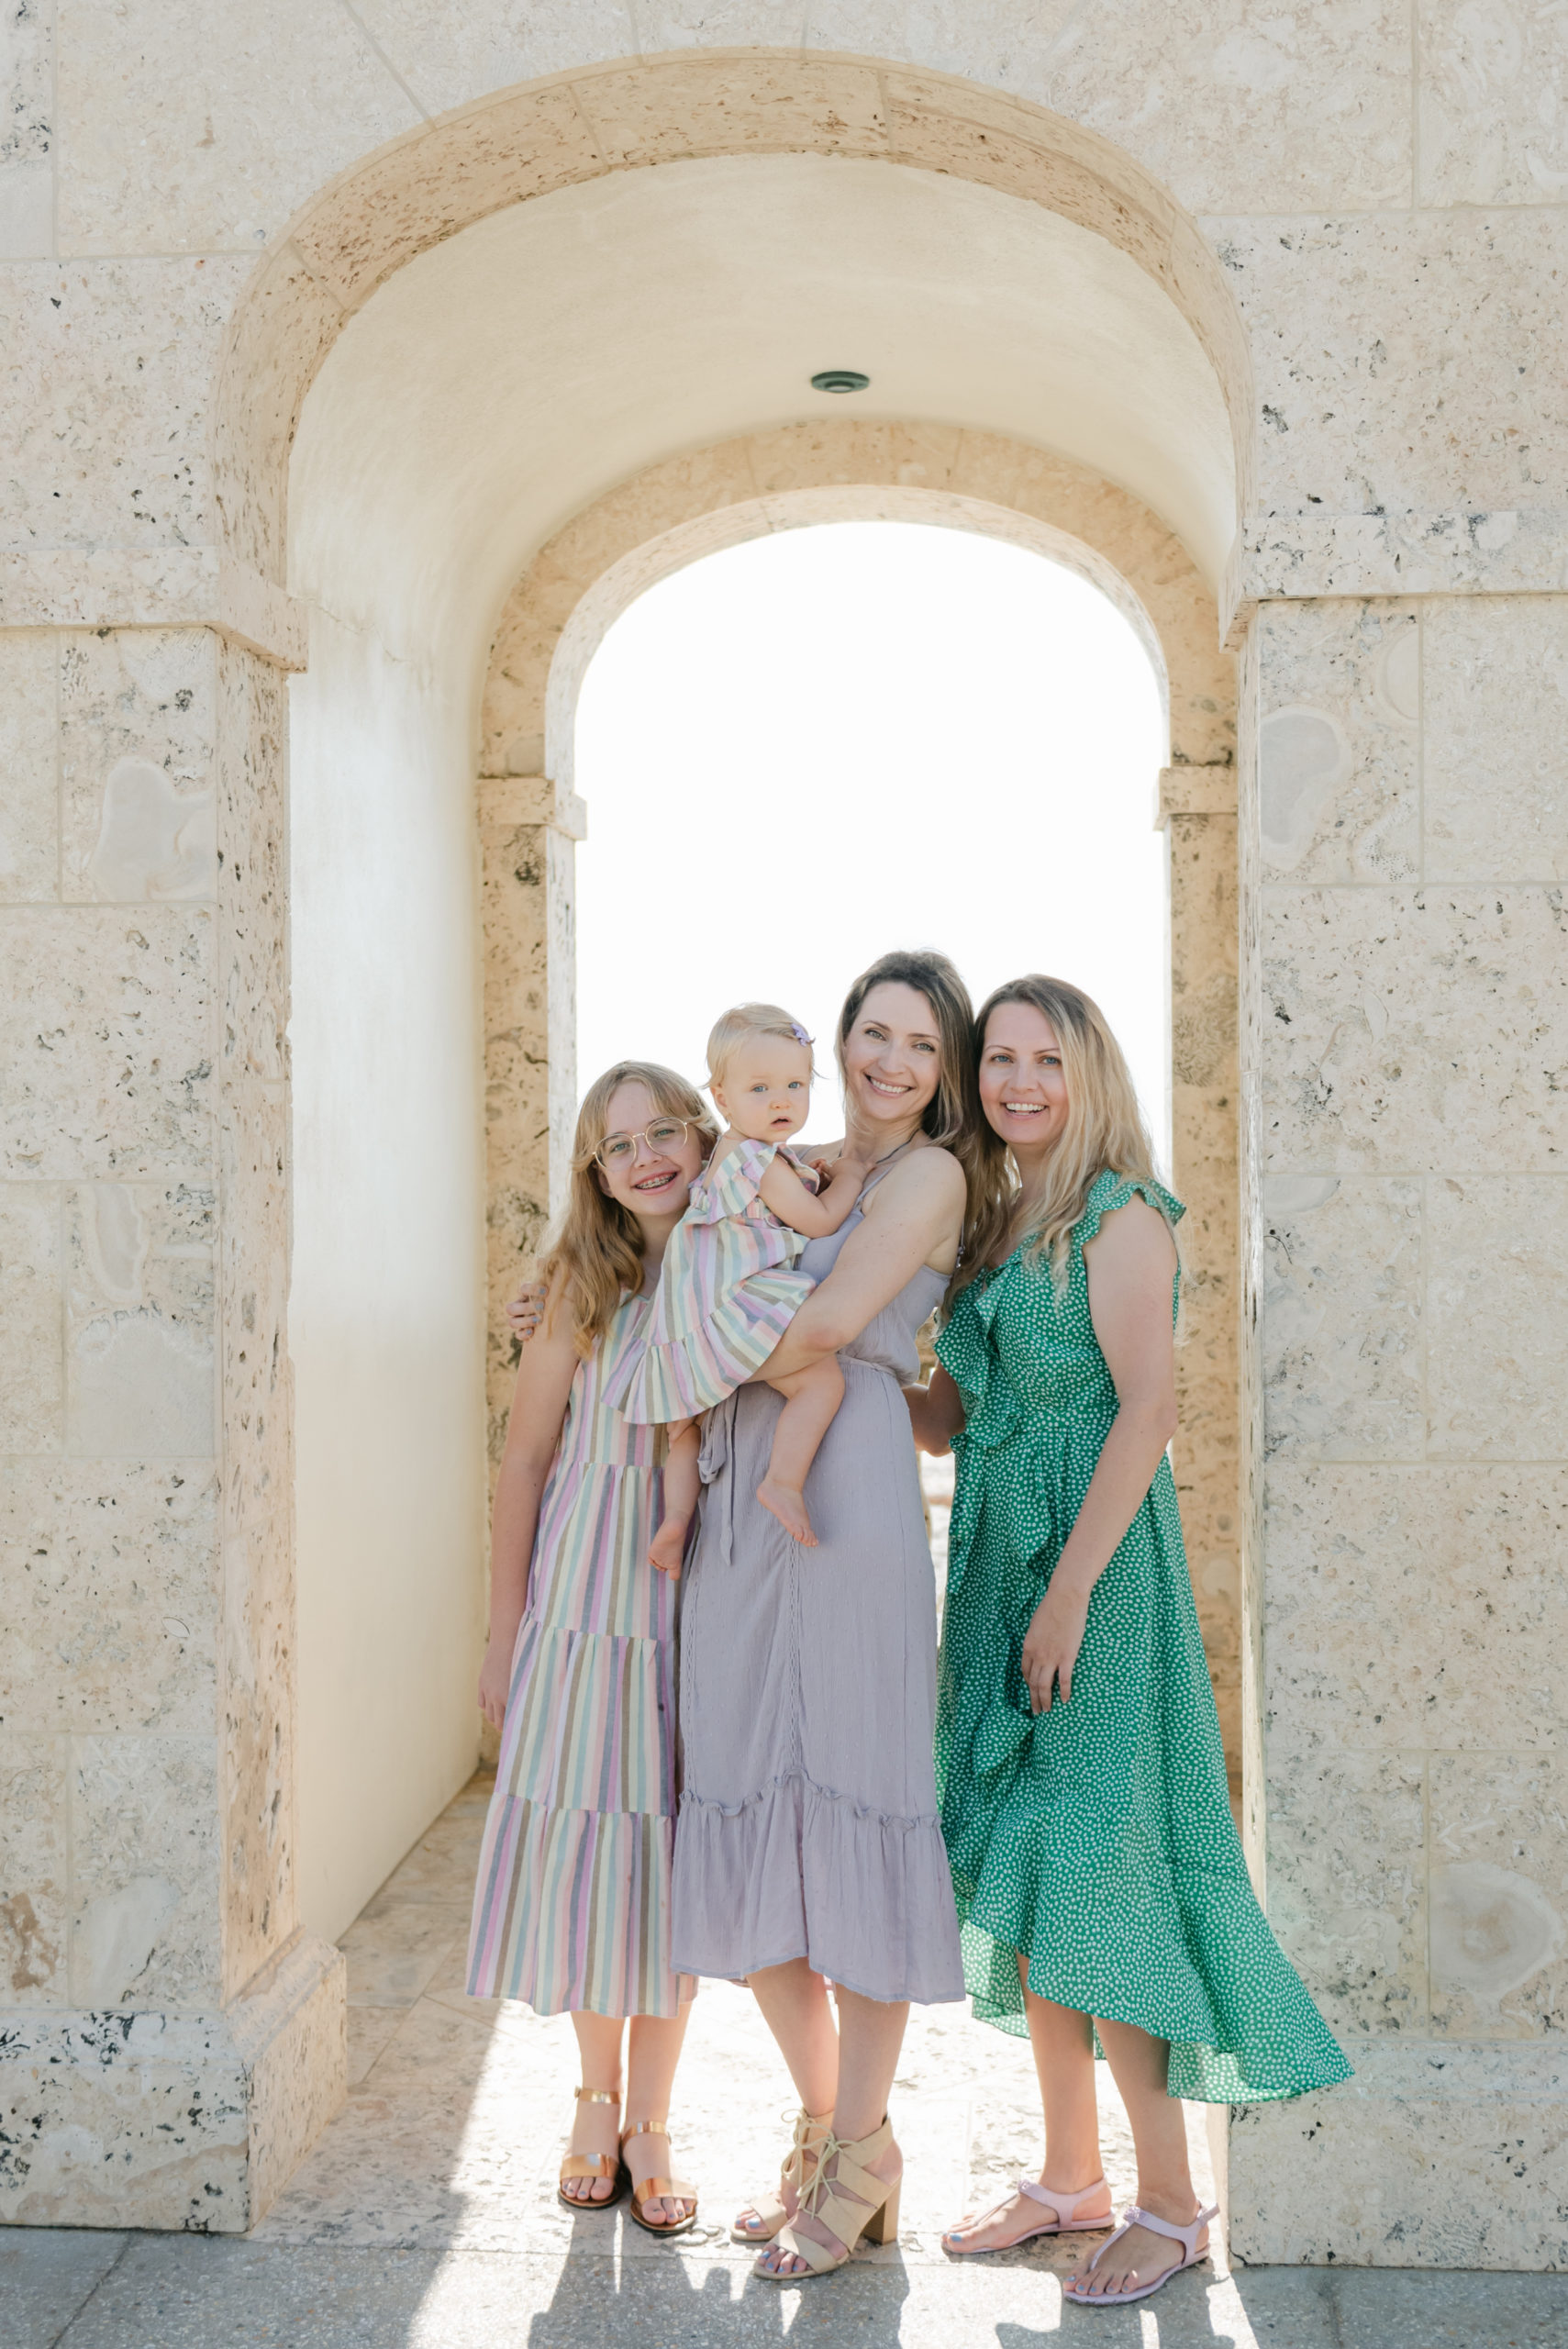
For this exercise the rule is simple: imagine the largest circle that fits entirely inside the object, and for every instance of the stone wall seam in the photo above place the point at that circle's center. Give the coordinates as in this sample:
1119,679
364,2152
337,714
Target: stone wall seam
374,46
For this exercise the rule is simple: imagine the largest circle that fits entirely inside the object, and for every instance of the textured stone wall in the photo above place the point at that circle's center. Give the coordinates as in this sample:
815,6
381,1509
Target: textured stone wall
146,1587
1197,812
1358,209
1406,1065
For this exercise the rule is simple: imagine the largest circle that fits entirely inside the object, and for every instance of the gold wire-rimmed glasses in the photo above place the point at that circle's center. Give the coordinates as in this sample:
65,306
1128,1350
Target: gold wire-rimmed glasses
665,1134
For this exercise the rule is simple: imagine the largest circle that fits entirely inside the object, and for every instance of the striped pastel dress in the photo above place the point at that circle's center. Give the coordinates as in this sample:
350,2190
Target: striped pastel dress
572,1908
726,1294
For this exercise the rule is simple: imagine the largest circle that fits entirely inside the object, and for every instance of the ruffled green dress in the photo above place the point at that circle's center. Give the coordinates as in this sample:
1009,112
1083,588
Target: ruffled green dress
1098,1837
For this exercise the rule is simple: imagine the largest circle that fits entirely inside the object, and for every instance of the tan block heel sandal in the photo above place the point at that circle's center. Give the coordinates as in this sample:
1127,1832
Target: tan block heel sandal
811,2129
847,2198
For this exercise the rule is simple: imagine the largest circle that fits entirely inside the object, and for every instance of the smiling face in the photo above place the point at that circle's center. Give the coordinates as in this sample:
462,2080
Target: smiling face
892,1057
650,1182
1023,1088
766,1091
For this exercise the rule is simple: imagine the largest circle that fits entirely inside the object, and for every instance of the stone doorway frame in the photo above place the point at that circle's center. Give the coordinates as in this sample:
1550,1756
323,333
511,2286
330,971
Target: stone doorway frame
530,818
243,2039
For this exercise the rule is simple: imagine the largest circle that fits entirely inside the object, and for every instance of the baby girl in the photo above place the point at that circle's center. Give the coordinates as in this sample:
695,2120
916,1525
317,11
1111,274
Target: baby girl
726,1290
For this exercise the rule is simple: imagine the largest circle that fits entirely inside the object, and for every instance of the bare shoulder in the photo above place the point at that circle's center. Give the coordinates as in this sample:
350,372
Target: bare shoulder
928,1181
1134,1236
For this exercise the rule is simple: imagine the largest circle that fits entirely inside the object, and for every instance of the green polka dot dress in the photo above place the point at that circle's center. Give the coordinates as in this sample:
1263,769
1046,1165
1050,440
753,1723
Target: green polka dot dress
1096,1837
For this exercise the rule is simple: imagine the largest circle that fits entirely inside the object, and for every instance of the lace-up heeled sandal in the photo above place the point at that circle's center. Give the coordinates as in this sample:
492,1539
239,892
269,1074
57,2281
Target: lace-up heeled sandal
847,2198
657,2189
608,2165
771,2210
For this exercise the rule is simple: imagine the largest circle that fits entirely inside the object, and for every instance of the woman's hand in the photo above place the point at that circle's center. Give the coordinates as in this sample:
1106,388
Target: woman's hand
526,1310
495,1682
1052,1641
936,1412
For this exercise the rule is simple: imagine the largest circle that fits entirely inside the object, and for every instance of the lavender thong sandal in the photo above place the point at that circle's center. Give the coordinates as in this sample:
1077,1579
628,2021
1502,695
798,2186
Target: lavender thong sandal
1187,2236
1062,2220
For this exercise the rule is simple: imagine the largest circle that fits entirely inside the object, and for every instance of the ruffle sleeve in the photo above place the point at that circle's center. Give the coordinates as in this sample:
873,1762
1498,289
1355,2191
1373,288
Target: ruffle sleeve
1109,1191
731,1188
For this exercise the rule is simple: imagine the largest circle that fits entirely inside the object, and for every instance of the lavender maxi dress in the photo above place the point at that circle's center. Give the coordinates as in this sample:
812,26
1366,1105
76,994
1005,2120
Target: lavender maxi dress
808,1824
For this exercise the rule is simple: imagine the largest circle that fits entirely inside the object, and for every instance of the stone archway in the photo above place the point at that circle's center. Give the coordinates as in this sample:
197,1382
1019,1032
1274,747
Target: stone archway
231,2014
529,817
624,117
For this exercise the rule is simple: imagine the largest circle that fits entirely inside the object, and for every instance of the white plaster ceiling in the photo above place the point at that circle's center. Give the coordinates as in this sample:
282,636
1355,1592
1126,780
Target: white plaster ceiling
507,377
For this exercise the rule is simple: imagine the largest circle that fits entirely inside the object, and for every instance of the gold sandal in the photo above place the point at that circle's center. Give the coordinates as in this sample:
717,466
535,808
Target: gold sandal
810,2129
608,2165
851,2203
657,2189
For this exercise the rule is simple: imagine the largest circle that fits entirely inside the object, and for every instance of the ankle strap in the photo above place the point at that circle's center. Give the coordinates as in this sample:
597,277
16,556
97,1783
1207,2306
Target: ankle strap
1064,2205
595,2095
646,2129
1187,2236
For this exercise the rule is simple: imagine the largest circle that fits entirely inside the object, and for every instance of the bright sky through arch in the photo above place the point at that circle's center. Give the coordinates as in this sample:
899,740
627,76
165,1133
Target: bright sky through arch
837,740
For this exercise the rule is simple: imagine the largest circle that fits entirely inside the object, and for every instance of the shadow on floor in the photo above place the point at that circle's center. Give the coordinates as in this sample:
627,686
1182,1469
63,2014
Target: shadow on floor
426,2215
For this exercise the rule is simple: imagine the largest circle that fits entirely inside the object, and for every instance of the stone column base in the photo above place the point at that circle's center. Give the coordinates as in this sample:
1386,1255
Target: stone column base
1437,2154
182,2121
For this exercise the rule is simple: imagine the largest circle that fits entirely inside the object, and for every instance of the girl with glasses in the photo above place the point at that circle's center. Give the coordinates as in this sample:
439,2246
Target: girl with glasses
572,1908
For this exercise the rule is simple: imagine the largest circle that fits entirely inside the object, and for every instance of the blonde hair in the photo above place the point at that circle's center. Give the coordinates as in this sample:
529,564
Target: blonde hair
732,1027
1105,1131
952,1116
595,1255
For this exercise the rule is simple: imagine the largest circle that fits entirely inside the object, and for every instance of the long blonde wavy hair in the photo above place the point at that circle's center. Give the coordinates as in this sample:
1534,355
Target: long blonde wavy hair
1105,1130
594,1257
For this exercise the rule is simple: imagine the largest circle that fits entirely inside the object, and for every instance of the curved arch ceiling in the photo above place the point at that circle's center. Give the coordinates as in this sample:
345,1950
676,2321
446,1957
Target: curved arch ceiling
507,377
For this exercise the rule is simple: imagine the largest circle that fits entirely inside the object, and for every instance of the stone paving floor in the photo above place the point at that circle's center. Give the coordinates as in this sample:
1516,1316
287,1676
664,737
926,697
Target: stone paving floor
426,2217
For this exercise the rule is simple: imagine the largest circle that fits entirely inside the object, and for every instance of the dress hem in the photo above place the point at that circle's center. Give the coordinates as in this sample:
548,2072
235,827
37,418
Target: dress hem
782,1869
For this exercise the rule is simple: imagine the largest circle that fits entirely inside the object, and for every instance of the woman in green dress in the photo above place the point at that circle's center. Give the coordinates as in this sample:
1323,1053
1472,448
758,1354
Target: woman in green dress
1100,1880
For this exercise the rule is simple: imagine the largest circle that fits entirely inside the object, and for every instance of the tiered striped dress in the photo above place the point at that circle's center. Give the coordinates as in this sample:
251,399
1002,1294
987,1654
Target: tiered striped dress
572,1908
726,1293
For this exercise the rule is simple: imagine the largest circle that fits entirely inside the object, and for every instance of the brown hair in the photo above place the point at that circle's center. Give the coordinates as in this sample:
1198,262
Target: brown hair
595,1255
953,1114
953,1109
1105,1130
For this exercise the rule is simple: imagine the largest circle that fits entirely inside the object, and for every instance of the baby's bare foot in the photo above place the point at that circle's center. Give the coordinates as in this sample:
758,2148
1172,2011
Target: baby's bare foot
668,1548
787,1503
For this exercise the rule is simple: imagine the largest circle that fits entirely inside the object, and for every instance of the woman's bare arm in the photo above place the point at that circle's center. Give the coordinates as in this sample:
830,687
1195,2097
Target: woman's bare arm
936,1412
919,1208
1129,1263
533,1432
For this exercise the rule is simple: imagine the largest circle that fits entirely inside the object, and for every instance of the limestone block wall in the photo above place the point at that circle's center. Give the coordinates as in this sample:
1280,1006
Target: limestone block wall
1359,213
1197,809
1409,989
146,1589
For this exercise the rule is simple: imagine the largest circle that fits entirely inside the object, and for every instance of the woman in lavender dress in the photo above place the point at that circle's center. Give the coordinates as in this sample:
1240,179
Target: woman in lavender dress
808,1848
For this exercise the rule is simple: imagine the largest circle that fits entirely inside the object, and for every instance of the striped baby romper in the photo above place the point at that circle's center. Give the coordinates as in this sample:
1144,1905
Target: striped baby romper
727,1293
572,1908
